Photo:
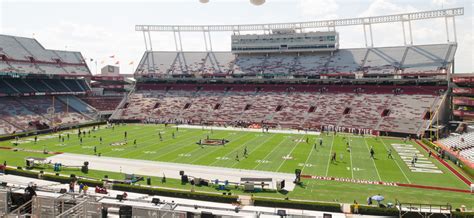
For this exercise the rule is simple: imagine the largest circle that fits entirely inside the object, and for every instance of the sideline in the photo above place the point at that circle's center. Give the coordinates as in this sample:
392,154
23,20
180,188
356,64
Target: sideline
297,132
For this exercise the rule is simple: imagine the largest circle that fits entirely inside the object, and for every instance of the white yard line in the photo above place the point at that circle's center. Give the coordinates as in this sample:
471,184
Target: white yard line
200,149
230,151
330,153
373,161
270,152
290,153
307,159
350,156
285,131
258,146
406,177
153,138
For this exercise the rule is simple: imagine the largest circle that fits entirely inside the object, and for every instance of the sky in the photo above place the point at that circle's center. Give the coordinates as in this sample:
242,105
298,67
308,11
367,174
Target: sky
100,29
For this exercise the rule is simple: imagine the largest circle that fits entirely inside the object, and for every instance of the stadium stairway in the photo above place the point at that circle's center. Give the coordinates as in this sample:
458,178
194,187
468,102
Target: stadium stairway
28,108
117,114
79,106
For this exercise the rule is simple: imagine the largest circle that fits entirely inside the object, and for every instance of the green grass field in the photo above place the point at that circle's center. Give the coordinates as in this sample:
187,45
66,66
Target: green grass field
268,152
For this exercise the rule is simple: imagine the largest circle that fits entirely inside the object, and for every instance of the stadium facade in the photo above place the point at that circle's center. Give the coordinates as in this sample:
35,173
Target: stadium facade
291,76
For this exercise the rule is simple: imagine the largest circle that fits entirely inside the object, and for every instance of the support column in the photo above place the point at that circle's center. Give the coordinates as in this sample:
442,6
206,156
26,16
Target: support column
410,31
447,29
365,35
404,34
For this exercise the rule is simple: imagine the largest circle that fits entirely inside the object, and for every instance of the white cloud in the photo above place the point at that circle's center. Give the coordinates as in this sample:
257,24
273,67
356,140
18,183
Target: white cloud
442,2
384,7
319,9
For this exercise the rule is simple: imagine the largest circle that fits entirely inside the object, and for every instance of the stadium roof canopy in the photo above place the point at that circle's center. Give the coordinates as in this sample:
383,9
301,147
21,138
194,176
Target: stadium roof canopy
405,17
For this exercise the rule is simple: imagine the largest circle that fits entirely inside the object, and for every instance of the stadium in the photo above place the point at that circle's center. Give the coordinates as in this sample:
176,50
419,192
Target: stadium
286,123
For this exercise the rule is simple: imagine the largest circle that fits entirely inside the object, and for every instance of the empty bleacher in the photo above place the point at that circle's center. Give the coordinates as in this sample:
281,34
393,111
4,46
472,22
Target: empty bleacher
103,103
18,114
27,56
381,61
9,86
462,144
297,106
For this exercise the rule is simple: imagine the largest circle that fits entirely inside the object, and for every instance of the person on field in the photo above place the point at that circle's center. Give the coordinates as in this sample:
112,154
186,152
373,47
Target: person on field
372,152
333,158
389,154
356,207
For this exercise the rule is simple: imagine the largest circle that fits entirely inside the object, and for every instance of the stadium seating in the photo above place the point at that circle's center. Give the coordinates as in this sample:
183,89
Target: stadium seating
404,109
463,144
17,114
27,56
365,111
284,106
420,59
7,128
103,103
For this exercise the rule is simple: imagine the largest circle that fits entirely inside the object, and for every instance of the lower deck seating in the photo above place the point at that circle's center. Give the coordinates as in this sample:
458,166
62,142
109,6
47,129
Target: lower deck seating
20,113
103,103
283,107
462,144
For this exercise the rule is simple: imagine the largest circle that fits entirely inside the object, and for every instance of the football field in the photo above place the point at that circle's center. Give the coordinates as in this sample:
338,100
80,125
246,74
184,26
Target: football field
272,152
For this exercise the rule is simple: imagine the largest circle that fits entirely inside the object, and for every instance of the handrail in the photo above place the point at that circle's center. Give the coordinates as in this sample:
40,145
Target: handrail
17,212
72,209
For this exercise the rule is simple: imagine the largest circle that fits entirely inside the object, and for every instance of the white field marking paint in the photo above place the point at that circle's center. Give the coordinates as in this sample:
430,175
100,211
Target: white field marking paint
304,165
235,149
330,153
222,158
175,144
231,140
268,153
87,147
118,149
354,168
288,157
184,155
256,148
423,165
262,161
373,161
399,167
149,152
350,156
